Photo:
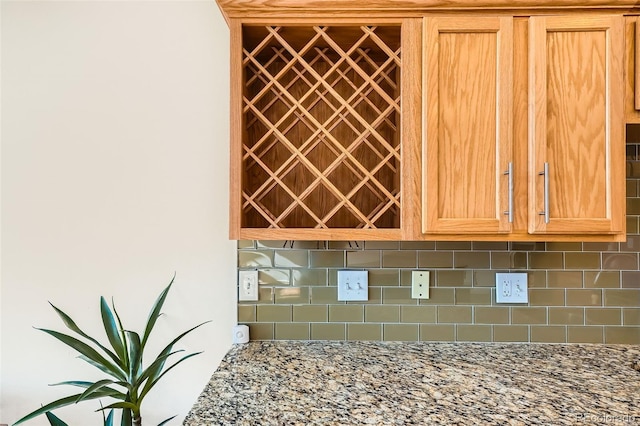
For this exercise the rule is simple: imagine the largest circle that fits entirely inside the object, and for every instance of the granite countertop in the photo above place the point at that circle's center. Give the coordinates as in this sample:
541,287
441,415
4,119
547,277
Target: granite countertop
348,383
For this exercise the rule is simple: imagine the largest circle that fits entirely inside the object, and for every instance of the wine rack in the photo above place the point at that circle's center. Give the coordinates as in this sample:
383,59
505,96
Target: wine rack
321,127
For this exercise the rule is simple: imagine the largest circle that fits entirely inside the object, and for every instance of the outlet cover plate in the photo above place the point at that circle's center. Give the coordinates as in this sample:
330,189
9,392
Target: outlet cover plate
419,284
353,285
511,288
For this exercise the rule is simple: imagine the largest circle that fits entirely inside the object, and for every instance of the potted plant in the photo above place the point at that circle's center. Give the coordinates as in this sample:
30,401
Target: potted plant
127,381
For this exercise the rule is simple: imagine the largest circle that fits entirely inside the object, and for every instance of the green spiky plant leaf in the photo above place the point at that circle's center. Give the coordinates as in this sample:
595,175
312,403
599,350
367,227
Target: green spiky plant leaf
128,381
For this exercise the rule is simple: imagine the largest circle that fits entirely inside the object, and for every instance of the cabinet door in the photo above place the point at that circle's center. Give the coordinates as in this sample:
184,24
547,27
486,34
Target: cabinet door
468,72
577,168
632,69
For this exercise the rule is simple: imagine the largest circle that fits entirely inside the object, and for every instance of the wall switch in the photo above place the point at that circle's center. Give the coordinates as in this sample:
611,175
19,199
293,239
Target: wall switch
353,285
419,284
248,285
511,288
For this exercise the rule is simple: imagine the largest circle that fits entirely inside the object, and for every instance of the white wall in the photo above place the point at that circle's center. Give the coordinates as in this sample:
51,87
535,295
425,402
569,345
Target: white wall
114,175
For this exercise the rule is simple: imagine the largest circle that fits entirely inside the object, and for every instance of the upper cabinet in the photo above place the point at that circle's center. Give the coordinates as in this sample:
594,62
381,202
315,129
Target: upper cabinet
576,125
417,124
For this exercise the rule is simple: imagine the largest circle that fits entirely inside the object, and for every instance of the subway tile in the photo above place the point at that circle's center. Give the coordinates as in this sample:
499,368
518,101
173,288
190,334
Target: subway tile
310,313
346,313
633,206
548,333
620,261
384,277
454,278
382,245
455,314
632,225
292,295
630,279
437,332
600,246
585,334
631,316
288,244
564,279
435,259
363,259
328,331
546,297
510,333
399,259
473,296
528,315
490,245
324,295
274,277
622,335
566,316
364,332
249,258
246,244
273,313
490,315
345,245
622,297
417,245
545,260
484,278
472,259
582,260
536,279
291,258
632,244
439,296
261,331
603,316
246,313
292,331
563,246
418,314
584,297
398,296
309,277
632,187
602,279
509,260
327,259
527,246
382,313
473,333
265,295
401,332
453,245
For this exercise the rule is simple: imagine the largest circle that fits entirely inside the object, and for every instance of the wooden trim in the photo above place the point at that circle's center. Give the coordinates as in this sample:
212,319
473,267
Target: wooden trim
410,8
334,234
636,68
236,130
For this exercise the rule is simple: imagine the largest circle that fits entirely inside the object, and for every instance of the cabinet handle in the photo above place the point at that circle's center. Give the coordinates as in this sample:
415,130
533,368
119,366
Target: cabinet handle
545,173
509,172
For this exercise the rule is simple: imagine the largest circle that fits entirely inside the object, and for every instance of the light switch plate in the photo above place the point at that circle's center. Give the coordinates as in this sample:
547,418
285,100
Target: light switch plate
248,286
511,288
353,285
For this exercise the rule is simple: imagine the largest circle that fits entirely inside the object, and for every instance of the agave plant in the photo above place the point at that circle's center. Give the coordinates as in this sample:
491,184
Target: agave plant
127,382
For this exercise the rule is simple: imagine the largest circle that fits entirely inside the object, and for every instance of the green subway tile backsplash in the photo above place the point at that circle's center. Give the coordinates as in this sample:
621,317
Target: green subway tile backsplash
579,292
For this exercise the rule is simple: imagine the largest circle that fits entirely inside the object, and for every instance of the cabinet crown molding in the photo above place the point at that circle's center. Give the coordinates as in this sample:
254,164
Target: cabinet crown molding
412,8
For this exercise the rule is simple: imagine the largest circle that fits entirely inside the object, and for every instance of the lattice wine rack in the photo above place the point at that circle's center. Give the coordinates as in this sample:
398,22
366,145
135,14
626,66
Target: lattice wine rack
321,115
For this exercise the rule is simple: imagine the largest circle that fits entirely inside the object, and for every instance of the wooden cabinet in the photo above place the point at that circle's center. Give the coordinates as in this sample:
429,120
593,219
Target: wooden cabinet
413,123
577,180
468,134
472,173
632,69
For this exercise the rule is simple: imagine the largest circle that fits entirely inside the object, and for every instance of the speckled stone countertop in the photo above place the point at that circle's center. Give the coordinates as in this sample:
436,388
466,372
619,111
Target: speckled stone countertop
349,383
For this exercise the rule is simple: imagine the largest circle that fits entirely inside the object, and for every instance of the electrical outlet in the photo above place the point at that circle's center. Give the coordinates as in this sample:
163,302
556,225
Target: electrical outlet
511,288
353,285
419,284
248,285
